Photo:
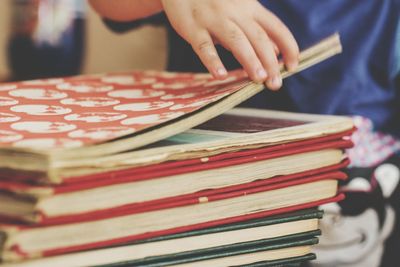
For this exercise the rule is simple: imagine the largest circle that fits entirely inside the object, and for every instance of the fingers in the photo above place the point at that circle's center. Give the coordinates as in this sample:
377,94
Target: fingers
281,36
266,52
203,45
233,38
253,34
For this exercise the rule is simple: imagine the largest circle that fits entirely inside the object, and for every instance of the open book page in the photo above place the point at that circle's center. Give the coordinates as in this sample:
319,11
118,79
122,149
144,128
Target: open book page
228,126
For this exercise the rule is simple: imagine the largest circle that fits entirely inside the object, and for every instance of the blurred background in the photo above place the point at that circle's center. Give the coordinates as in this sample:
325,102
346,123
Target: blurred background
36,35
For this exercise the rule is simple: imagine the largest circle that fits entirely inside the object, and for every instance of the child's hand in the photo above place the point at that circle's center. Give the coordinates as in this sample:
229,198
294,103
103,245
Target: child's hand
253,34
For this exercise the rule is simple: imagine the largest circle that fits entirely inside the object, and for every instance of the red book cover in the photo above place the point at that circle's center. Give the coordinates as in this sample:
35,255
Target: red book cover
21,254
78,111
9,183
206,197
44,194
127,239
330,172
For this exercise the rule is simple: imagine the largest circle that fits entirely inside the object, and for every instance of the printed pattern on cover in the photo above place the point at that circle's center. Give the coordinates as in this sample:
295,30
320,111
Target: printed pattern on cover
83,110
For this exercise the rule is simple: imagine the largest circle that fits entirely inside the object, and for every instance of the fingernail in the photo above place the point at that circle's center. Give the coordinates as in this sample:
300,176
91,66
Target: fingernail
275,83
221,72
261,74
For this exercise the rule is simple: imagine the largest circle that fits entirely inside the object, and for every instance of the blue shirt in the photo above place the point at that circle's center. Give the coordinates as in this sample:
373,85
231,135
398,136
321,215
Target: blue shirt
364,79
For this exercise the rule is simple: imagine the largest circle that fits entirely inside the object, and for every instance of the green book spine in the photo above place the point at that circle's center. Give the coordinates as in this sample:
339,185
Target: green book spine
289,262
282,218
301,239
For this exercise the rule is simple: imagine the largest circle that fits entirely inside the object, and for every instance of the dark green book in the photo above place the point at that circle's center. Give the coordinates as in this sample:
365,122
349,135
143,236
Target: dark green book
307,214
193,244
275,249
289,262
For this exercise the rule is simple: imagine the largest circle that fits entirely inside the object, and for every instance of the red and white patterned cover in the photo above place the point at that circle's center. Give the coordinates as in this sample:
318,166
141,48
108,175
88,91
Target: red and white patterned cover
83,110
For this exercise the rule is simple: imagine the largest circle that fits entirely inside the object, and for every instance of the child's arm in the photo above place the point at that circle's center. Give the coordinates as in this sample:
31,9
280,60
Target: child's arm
245,27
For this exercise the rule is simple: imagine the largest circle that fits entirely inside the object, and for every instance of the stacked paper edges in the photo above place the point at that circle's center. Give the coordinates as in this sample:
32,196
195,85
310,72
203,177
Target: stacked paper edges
242,191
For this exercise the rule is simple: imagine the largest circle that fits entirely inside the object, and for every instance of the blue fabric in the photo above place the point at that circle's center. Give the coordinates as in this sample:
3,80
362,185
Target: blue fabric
397,52
360,81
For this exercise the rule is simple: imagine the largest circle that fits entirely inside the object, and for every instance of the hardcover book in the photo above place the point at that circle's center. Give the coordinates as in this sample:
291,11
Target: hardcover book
140,188
273,131
55,124
23,241
194,244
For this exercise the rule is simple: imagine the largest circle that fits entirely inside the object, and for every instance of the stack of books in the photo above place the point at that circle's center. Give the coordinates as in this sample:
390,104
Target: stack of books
157,169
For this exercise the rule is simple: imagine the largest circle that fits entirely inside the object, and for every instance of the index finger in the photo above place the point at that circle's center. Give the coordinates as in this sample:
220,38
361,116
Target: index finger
281,36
